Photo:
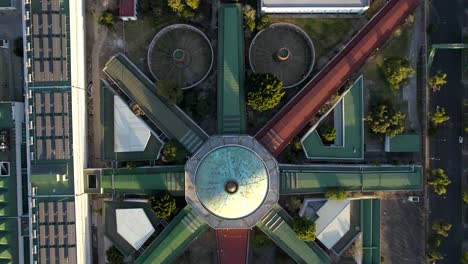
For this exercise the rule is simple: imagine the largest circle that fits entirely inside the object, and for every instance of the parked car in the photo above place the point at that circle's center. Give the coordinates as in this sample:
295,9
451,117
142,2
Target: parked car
413,199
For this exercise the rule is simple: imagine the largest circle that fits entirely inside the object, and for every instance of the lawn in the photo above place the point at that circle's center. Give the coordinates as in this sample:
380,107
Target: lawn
325,33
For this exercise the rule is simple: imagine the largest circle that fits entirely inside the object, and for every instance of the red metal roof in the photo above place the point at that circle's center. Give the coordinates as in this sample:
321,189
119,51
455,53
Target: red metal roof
127,8
233,245
290,120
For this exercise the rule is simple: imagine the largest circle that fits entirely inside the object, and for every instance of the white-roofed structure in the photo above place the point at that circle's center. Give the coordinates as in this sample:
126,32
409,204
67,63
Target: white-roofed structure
333,222
134,226
314,6
130,132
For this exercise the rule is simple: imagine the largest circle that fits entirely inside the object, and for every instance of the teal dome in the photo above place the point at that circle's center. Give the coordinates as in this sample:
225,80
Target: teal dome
231,181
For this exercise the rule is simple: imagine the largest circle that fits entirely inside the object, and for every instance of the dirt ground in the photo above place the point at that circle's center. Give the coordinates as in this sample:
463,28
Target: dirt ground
402,231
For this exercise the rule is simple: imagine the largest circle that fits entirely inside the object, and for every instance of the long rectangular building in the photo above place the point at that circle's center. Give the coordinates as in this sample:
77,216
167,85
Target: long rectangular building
314,6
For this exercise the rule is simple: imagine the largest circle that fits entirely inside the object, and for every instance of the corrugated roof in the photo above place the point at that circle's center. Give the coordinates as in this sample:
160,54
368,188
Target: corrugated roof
316,179
370,224
403,143
180,232
127,8
275,225
353,144
170,119
231,111
143,180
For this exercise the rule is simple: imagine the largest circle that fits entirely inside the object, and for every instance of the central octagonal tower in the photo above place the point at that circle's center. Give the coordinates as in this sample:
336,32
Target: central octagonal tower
232,182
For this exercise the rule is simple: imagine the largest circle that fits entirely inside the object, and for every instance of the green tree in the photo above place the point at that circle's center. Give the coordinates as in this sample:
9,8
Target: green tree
336,194
434,241
441,228
464,259
383,119
436,81
264,91
194,4
173,152
329,134
396,70
439,117
433,255
465,196
114,256
249,17
177,6
263,22
304,228
170,90
439,181
293,204
163,205
107,19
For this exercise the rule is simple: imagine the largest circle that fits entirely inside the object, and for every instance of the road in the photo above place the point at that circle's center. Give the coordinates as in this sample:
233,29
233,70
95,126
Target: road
445,150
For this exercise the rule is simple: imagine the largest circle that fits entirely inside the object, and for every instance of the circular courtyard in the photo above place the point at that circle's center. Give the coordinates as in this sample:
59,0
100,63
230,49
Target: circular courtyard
180,53
232,181
283,50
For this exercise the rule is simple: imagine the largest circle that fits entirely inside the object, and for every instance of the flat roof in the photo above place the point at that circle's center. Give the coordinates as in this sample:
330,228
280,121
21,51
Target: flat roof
134,226
353,130
130,132
403,143
231,108
318,178
370,224
316,3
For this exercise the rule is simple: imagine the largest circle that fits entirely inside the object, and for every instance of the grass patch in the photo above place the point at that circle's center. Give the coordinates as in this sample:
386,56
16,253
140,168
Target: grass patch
325,33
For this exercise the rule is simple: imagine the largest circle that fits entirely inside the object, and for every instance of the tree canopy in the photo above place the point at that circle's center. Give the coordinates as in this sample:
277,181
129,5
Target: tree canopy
263,22
383,119
328,134
249,17
336,194
437,81
439,181
264,91
173,152
304,228
114,256
396,70
169,90
441,228
163,205
107,19
465,196
439,116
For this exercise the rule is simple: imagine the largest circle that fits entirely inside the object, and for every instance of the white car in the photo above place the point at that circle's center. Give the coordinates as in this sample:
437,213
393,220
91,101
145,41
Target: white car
460,139
413,199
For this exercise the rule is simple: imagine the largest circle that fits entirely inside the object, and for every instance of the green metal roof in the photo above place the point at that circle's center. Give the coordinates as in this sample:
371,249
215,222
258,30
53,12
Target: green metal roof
315,179
173,240
370,224
170,119
353,131
403,143
275,225
144,180
231,109
152,149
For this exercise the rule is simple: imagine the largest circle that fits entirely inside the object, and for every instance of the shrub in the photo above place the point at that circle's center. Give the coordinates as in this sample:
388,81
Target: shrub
434,241
293,204
433,255
465,196
136,109
439,181
163,205
260,239
263,22
336,194
264,91
170,91
249,17
194,4
173,152
328,134
304,228
114,256
396,70
107,19
464,259
131,165
383,119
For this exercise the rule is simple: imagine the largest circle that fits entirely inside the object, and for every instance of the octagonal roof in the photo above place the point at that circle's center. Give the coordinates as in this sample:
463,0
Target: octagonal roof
232,181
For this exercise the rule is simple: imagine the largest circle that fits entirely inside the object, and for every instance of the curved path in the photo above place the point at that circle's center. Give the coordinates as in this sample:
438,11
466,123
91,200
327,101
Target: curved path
285,125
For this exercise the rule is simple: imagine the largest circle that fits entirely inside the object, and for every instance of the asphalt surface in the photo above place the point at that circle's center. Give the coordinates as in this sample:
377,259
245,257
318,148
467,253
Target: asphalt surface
445,149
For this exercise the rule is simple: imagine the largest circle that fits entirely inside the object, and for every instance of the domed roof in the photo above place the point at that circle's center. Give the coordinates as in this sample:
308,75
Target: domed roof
231,182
